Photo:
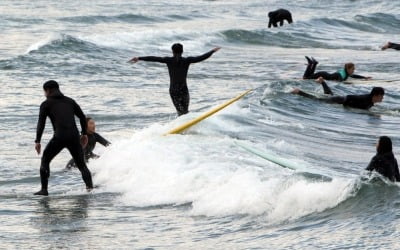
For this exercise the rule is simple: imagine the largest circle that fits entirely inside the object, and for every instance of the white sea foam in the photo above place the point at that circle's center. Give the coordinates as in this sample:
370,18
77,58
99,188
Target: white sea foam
210,173
50,38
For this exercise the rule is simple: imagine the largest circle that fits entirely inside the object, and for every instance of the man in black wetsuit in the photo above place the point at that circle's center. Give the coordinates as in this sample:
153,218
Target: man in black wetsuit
93,137
390,45
340,75
62,111
178,67
352,101
279,16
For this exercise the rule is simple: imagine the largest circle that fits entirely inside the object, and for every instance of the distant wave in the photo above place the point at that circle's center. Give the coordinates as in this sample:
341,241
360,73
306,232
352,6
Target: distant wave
63,43
127,18
280,39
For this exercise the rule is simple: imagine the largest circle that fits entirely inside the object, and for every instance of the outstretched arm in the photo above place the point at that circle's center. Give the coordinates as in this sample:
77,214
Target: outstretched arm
149,59
360,77
195,59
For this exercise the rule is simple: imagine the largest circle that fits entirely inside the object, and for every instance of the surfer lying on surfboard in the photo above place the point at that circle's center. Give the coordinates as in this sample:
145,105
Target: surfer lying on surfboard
178,67
365,101
341,75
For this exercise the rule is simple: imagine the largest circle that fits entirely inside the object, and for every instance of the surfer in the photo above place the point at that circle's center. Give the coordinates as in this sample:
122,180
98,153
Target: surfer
384,161
390,45
178,67
280,16
93,137
341,75
353,101
62,111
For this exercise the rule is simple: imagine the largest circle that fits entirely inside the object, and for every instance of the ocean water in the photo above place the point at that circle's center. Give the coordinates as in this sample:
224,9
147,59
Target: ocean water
199,190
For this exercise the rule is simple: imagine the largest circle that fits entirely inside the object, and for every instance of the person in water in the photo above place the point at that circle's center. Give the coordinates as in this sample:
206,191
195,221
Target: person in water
390,45
384,161
178,67
279,16
353,101
62,111
341,75
93,137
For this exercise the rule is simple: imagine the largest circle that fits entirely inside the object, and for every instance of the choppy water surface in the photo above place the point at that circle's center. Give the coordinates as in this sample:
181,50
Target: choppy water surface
199,190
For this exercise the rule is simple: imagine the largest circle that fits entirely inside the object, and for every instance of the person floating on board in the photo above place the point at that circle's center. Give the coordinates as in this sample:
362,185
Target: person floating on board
93,137
353,101
178,67
341,75
279,15
62,111
390,45
384,161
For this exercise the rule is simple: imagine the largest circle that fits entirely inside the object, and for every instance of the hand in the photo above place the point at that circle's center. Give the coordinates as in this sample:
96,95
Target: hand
295,91
216,49
37,148
368,78
134,60
84,140
320,79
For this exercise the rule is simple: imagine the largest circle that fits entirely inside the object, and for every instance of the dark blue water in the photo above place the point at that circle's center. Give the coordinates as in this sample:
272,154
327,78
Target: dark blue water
199,190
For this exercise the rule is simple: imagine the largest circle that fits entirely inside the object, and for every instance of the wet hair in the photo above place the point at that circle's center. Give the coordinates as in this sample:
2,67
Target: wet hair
377,91
88,118
177,48
50,85
384,145
349,65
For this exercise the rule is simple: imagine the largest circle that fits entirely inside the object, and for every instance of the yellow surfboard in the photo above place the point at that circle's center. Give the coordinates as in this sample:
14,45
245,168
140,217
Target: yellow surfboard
205,115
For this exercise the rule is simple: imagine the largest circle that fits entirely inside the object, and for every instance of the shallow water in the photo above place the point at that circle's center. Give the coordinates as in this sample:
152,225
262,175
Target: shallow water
199,190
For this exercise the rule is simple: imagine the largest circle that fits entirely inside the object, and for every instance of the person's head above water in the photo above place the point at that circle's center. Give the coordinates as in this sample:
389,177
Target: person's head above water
177,49
50,87
350,68
384,145
91,125
377,94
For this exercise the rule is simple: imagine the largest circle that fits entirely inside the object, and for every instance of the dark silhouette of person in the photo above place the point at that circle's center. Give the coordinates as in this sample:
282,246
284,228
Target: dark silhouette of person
384,161
178,67
62,111
279,16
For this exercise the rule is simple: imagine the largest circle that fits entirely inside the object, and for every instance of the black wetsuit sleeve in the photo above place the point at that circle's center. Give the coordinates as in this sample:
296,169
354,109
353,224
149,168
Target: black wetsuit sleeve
82,118
41,122
101,140
358,76
396,169
196,59
153,59
327,90
371,165
302,93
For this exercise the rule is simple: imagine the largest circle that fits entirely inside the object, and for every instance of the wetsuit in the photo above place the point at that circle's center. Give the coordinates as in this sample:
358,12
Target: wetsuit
62,111
352,101
386,165
340,75
88,150
279,16
178,68
394,46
